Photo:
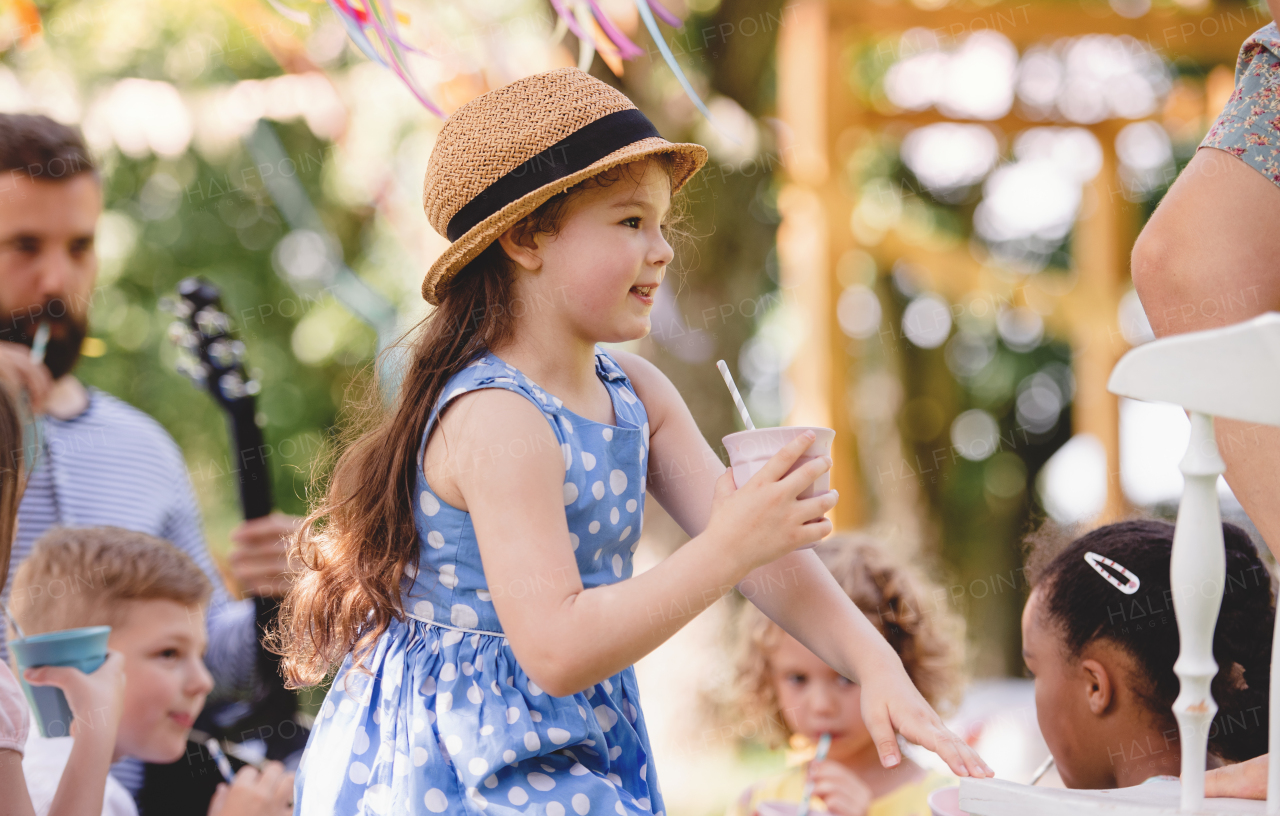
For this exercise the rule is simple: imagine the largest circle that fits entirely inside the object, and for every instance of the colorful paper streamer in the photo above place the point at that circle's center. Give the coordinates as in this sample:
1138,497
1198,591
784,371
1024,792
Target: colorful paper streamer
367,21
372,26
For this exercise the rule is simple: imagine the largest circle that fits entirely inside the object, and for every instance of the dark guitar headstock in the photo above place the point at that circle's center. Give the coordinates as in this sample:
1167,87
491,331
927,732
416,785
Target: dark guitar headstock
213,358
208,353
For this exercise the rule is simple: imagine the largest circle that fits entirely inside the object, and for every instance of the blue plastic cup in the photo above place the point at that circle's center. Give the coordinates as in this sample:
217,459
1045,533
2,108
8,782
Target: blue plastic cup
84,649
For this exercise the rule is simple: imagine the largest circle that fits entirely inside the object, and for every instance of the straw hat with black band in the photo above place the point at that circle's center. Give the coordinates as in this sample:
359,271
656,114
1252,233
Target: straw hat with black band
504,153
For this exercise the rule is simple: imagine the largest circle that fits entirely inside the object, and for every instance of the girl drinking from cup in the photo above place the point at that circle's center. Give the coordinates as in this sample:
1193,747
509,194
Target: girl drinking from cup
782,684
469,572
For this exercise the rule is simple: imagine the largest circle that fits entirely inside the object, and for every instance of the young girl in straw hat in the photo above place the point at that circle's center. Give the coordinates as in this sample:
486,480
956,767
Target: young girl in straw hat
470,567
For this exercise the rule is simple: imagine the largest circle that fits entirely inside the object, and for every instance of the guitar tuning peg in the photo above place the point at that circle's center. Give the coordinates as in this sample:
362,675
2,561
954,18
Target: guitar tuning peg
223,353
181,336
252,387
231,386
208,292
212,323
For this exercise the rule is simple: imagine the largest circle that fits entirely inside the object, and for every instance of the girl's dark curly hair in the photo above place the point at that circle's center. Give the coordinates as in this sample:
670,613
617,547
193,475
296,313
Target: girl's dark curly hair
1085,608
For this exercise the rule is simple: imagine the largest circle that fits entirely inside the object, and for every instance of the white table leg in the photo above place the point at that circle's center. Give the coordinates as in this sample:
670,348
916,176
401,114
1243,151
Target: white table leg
1197,572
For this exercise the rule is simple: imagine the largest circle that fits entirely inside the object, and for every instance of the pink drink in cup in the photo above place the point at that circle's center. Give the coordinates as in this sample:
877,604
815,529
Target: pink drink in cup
749,450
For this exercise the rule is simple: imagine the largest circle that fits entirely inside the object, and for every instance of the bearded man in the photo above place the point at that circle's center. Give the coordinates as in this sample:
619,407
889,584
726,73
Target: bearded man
98,460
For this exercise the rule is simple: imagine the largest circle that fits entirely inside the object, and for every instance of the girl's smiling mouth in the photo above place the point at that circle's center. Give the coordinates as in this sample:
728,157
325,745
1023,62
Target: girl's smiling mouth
645,293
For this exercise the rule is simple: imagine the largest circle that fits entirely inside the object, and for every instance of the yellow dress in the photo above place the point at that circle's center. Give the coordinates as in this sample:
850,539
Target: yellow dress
908,800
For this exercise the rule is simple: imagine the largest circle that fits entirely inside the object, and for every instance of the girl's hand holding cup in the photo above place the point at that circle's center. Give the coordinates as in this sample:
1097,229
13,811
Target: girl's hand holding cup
764,519
840,789
268,792
96,699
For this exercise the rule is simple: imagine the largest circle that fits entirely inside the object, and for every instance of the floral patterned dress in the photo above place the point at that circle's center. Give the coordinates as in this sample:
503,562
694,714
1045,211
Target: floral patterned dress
448,721
1249,126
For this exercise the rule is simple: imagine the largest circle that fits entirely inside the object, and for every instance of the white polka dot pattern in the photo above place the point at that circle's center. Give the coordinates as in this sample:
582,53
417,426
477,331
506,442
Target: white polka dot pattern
453,711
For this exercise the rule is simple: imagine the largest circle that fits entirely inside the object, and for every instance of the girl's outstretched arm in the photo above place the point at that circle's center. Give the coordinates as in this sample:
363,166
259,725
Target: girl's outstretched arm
796,591
508,466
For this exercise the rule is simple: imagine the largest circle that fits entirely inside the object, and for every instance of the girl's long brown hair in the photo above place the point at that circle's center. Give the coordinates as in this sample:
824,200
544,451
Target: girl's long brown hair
11,476
357,541
359,538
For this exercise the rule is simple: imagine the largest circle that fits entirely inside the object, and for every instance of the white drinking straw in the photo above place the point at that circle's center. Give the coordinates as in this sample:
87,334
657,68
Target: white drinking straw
12,620
40,342
737,398
824,744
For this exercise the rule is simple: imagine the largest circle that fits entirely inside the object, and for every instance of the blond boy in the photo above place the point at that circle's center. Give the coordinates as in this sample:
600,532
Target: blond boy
154,598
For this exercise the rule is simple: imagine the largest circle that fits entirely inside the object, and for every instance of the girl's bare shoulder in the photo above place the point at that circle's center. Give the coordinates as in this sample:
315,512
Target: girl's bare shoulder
487,415
483,433
652,386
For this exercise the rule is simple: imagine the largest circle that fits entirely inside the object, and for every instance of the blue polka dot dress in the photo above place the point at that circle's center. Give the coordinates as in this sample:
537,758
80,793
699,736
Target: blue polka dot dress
449,722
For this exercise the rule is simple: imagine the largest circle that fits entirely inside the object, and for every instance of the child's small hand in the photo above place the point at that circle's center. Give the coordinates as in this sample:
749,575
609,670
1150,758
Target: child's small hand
891,703
268,792
841,790
96,700
763,520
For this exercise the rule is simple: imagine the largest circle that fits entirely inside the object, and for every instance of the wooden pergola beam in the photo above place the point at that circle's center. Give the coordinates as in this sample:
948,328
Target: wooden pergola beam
1212,35
820,109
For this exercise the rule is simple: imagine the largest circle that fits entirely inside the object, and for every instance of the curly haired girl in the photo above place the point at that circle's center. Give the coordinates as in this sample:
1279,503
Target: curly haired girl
794,695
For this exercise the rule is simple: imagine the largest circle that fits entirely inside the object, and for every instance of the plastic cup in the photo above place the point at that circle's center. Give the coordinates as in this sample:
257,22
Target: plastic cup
84,649
946,802
777,808
749,450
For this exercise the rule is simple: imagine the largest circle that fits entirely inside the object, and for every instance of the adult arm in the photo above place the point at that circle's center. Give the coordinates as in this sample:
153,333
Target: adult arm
1206,258
1210,256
